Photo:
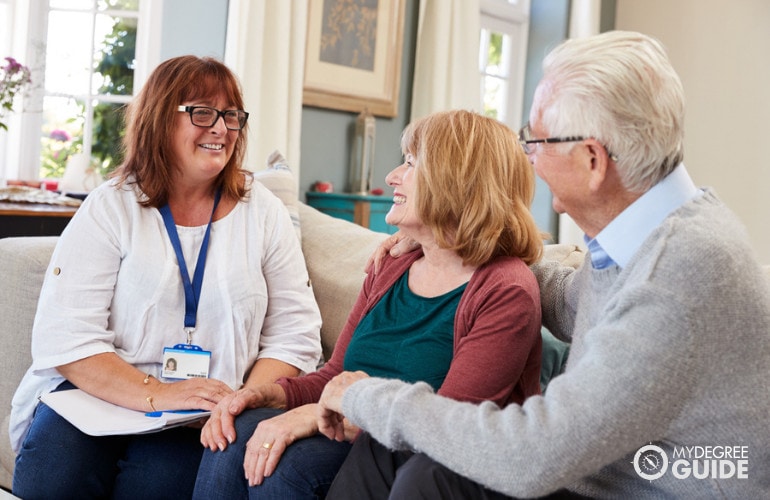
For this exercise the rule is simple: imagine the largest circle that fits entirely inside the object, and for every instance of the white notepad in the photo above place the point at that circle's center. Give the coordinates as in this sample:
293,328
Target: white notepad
97,417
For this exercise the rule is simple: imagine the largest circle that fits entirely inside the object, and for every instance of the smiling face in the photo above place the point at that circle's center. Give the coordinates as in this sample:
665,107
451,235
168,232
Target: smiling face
165,151
201,153
401,179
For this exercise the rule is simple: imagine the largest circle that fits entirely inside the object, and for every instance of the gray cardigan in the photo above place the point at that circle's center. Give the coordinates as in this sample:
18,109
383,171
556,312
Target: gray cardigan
672,350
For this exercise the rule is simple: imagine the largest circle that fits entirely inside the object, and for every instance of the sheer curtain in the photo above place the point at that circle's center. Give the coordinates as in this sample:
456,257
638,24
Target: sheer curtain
446,73
266,48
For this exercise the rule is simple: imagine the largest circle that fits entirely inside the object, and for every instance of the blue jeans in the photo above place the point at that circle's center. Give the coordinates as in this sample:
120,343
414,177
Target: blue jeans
58,461
306,469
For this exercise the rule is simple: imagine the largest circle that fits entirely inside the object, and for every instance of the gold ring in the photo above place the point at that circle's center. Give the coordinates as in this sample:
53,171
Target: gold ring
267,446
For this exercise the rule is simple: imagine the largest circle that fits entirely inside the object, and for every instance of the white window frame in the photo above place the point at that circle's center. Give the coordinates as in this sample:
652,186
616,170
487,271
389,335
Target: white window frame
20,145
510,17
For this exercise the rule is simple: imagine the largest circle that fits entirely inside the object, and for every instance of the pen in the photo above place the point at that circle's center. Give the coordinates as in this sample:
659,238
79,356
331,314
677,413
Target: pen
159,413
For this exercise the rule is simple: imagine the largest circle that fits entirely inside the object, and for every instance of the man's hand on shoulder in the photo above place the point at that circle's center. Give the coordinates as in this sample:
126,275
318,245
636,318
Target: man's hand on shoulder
397,245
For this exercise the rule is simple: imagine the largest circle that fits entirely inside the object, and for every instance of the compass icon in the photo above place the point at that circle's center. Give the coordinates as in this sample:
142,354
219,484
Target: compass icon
650,462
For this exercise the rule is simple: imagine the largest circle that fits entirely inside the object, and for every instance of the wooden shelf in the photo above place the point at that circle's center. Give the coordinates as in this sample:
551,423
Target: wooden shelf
33,219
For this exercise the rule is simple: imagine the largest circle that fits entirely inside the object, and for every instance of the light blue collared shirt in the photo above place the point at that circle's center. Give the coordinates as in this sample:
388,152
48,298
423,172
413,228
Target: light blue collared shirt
624,235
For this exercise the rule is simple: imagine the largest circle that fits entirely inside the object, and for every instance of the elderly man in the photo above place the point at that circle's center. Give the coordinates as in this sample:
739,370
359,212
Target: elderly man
668,319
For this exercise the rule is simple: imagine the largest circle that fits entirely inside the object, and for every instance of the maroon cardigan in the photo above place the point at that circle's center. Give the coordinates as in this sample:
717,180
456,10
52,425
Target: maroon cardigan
497,343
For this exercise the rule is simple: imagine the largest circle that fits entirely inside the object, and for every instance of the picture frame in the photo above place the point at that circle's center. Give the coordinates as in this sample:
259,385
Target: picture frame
353,55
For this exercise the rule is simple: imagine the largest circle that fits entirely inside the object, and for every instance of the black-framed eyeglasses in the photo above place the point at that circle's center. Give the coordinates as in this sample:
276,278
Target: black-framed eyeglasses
527,142
204,116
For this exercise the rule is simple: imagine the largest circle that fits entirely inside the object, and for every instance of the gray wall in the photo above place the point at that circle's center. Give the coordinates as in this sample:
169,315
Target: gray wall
196,27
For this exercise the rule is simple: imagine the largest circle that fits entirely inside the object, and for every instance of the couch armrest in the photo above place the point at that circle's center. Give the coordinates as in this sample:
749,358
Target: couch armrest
23,262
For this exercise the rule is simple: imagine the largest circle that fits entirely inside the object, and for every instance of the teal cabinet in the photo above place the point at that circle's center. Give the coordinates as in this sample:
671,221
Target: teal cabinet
364,210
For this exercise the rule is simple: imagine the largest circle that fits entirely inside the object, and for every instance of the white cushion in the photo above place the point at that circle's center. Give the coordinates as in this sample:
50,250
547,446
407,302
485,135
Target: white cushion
566,254
279,179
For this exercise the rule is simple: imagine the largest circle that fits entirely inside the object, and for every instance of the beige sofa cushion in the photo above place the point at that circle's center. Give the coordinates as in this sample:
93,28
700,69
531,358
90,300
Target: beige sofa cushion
335,252
568,255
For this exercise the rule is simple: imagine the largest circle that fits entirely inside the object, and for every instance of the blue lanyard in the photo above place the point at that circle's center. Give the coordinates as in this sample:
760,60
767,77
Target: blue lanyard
192,290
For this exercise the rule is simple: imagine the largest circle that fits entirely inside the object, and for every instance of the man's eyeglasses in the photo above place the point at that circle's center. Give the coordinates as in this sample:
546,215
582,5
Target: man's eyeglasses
527,142
203,116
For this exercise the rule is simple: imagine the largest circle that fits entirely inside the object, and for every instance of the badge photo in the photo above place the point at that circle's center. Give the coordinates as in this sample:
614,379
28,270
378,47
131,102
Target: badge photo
184,361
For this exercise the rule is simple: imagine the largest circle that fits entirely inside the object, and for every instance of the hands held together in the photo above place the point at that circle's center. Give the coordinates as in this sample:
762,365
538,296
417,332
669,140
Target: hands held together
331,421
274,435
219,430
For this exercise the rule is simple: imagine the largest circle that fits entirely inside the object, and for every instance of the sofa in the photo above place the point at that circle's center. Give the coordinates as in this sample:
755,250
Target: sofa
335,253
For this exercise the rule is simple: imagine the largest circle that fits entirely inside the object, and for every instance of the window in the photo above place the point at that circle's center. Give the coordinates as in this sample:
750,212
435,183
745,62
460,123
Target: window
502,58
87,60
89,77
502,65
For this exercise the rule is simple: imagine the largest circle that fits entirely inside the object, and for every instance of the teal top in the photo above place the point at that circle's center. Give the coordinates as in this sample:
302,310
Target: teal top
406,336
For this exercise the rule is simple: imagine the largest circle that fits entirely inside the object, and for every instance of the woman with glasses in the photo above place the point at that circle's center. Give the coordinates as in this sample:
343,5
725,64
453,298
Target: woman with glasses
181,255
462,315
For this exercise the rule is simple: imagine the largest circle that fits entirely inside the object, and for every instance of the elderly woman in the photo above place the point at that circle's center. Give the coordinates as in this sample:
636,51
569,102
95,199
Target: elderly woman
462,314
118,299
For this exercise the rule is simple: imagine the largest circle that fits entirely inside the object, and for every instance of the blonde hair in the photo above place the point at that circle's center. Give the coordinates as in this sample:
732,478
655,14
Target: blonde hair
474,186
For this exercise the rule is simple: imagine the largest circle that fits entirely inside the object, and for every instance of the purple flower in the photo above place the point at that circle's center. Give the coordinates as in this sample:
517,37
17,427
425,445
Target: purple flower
60,135
13,78
13,65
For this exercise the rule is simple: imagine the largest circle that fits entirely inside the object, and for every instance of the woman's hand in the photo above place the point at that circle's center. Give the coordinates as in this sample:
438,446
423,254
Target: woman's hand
272,437
110,378
331,421
190,394
397,244
219,430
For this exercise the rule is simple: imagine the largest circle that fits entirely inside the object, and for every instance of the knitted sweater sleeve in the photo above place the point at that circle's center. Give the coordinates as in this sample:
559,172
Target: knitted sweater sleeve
558,307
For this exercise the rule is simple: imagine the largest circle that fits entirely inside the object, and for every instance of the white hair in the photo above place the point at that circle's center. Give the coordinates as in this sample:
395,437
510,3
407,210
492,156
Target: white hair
620,89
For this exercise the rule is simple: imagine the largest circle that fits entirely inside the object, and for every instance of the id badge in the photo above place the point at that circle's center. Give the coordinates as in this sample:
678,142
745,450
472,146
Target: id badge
184,361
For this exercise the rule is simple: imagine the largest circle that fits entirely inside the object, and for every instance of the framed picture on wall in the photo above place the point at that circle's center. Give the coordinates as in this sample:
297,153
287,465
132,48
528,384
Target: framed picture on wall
353,55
